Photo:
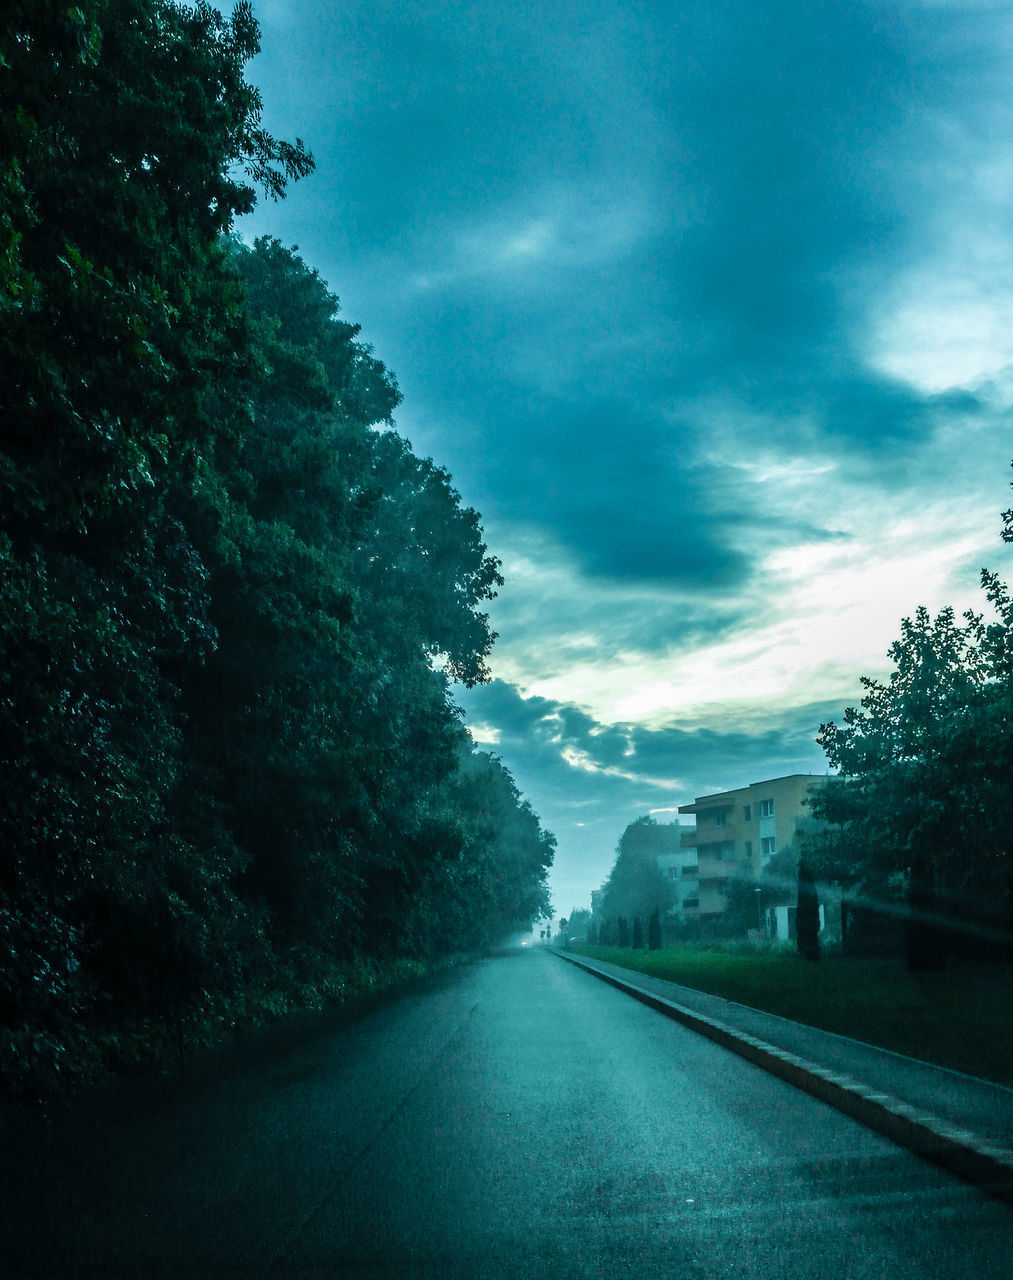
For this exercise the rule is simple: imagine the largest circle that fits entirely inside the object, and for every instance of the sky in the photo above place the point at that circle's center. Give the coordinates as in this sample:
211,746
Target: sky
708,310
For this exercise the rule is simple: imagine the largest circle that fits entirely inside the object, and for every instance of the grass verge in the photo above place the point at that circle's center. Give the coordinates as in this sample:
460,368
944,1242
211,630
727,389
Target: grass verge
37,1067
960,1018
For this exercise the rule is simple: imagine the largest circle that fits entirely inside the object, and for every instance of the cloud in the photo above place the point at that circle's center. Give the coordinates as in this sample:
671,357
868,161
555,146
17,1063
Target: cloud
705,307
588,780
565,747
614,214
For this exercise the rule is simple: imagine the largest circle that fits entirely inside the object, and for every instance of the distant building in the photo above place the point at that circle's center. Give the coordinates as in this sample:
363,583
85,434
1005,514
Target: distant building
679,865
738,832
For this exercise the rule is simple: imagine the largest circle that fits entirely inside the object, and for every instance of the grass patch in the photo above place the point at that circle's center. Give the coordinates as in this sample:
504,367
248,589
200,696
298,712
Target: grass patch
959,1018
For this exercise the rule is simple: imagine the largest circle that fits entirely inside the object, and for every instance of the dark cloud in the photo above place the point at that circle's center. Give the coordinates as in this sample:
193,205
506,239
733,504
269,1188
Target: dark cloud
720,189
588,780
670,759
619,256
554,621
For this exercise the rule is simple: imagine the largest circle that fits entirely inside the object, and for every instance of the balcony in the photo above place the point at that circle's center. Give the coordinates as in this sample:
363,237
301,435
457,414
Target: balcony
720,851
715,835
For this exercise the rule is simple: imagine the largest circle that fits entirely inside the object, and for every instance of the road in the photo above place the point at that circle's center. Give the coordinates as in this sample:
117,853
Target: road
514,1118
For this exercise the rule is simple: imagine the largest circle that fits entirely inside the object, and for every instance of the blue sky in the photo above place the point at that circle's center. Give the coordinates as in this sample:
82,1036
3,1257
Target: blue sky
707,309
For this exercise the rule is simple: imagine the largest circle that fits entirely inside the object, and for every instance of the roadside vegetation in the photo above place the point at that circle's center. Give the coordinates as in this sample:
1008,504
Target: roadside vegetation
960,1017
234,603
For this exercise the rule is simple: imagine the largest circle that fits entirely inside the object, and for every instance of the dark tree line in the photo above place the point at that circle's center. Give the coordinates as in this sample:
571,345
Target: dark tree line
637,889
233,602
636,885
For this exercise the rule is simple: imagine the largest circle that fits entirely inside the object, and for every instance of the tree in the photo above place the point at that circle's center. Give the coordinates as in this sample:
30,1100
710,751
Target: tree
807,915
232,610
580,922
924,797
623,932
638,934
654,931
126,127
346,583
636,884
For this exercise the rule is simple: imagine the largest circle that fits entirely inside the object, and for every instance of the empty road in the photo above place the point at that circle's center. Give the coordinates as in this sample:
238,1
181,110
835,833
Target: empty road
514,1118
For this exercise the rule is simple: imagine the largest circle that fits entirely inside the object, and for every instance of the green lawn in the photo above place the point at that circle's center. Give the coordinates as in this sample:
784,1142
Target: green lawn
960,1018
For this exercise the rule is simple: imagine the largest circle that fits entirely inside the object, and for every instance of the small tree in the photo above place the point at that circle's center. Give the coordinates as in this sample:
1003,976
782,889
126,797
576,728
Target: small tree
654,931
638,934
807,916
592,936
624,932
636,883
579,919
923,941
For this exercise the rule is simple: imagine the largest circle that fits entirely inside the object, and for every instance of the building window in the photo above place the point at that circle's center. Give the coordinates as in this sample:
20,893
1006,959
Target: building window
690,902
766,808
768,846
673,872
721,817
747,813
748,845
690,873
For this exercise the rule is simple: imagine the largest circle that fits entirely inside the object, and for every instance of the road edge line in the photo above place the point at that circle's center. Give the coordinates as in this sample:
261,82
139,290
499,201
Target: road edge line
987,1165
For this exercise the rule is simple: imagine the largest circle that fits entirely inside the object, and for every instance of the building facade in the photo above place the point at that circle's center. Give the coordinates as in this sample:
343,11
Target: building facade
738,832
679,866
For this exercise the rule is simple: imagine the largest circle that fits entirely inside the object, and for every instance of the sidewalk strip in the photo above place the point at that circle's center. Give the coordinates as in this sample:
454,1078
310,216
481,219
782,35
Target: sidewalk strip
986,1165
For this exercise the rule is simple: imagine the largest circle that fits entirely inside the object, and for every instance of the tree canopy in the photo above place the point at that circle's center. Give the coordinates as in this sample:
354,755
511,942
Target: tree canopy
636,885
233,601
924,795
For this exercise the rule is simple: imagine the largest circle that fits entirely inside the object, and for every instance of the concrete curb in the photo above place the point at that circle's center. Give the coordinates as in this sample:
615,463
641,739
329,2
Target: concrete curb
986,1165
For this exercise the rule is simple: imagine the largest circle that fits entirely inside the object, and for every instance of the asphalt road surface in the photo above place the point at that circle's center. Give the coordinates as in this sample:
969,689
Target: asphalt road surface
514,1118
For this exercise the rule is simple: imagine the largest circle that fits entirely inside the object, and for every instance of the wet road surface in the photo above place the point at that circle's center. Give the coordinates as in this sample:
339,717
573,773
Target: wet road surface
515,1118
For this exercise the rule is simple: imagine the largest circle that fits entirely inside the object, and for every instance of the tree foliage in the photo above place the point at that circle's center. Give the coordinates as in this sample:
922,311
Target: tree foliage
924,793
580,924
233,601
120,324
636,885
807,914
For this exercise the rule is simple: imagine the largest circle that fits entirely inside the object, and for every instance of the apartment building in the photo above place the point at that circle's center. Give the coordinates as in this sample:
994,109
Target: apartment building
679,866
738,832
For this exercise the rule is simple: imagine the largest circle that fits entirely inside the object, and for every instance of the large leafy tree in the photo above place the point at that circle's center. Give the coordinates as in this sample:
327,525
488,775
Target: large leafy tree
636,885
233,601
346,581
923,794
125,126
480,859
